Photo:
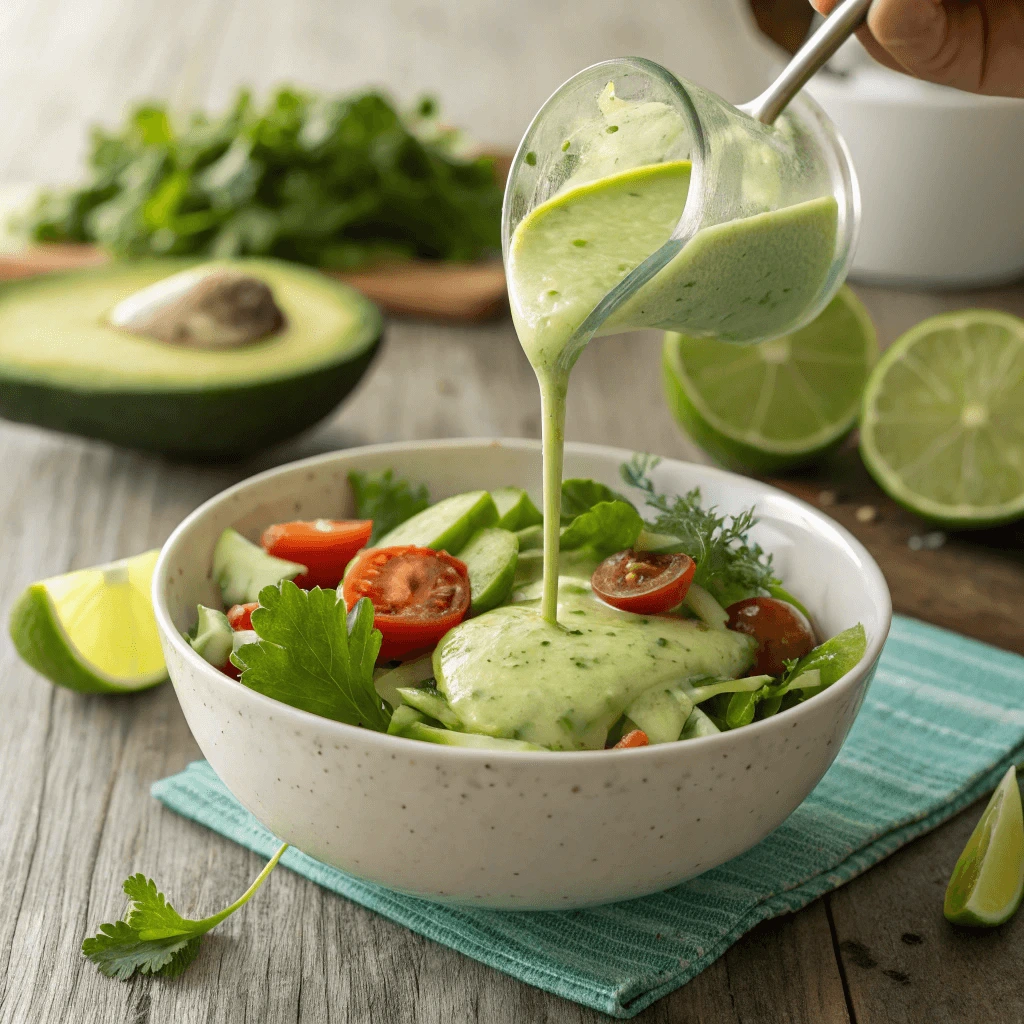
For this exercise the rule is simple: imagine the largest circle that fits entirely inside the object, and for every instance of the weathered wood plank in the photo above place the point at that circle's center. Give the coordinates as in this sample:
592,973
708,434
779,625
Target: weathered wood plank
904,963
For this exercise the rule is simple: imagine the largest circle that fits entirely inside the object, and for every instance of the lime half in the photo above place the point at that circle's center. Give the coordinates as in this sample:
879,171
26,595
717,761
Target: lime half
942,429
92,630
988,880
779,404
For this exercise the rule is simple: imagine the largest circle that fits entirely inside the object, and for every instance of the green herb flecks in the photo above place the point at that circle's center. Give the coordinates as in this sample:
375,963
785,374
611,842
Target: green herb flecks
154,938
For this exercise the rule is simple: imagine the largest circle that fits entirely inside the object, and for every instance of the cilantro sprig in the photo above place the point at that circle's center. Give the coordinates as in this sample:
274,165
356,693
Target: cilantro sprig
729,565
314,655
154,938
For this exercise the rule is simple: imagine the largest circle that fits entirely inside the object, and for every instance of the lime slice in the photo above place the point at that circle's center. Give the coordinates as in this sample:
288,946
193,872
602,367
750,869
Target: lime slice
988,880
92,630
942,429
776,405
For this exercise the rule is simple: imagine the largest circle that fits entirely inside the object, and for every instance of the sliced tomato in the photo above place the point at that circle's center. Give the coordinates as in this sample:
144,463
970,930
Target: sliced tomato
240,615
229,670
782,632
634,738
642,581
323,546
418,594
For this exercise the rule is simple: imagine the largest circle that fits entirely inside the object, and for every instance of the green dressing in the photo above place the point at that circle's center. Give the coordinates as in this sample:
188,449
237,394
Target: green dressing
512,674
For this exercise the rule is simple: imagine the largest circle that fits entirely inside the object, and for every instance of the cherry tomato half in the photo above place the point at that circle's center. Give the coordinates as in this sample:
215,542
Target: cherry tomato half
323,546
240,615
782,632
418,594
634,738
643,582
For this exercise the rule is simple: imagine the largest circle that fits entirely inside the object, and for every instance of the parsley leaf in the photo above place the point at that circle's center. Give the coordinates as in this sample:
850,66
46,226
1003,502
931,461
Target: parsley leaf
154,938
728,564
314,655
385,500
332,181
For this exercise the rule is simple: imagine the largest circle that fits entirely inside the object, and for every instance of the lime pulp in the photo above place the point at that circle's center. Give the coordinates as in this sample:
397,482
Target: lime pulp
779,404
942,427
988,880
92,630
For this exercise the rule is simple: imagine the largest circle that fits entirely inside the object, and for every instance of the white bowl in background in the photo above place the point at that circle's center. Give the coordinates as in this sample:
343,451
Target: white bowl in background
537,830
942,201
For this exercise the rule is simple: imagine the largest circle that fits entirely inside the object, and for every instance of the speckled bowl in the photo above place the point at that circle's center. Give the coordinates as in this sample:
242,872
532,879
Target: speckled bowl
514,830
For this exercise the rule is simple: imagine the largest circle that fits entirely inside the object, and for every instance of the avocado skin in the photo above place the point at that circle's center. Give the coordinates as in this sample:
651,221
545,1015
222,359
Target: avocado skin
194,424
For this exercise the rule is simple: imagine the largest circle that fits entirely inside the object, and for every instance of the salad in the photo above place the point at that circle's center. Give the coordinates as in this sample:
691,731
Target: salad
423,619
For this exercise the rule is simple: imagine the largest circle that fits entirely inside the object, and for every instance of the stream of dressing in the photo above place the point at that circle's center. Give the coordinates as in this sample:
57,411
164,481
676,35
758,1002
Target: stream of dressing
745,278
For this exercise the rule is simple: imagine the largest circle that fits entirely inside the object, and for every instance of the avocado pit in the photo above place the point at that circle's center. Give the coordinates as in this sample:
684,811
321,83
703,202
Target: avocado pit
213,308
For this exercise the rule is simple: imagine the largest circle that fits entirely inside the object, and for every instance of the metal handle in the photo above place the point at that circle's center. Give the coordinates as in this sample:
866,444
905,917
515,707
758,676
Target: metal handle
834,31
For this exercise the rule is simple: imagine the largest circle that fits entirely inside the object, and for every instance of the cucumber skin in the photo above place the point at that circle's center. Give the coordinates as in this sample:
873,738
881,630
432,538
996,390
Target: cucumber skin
193,424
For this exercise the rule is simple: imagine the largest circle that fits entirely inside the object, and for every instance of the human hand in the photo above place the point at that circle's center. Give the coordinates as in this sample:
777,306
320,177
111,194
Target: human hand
974,45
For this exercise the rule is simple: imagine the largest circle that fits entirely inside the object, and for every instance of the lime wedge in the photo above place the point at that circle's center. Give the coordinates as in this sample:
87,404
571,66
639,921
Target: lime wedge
942,429
92,630
988,880
776,405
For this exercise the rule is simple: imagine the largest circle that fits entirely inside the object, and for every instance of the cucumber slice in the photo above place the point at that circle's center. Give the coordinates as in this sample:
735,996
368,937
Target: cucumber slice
431,703
402,718
705,691
387,682
431,734
705,607
446,526
661,713
410,723
698,724
213,637
531,538
243,569
515,509
490,557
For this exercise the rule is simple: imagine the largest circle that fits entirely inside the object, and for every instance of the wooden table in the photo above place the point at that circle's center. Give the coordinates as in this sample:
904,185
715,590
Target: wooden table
76,816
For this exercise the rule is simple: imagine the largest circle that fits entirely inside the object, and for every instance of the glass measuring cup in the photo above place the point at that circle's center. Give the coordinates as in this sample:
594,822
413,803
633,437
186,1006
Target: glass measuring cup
768,218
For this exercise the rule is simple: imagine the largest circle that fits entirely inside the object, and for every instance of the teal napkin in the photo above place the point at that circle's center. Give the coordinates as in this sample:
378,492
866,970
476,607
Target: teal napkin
942,720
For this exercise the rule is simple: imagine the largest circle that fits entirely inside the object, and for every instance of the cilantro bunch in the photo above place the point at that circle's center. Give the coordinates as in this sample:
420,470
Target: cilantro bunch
729,565
335,182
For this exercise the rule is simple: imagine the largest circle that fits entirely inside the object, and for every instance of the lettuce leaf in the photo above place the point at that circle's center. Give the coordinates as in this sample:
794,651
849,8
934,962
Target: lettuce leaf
387,500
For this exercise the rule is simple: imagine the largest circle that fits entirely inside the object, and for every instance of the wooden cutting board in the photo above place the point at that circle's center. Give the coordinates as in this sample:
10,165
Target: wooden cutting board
454,292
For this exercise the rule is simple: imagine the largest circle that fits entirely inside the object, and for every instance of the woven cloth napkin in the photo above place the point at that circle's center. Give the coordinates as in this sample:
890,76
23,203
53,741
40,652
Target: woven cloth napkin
942,721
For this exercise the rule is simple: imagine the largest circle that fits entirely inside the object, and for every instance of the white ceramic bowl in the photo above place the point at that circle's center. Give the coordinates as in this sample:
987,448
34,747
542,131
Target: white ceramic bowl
494,828
939,171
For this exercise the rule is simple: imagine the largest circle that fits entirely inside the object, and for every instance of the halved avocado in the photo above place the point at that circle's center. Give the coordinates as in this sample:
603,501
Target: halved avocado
64,367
